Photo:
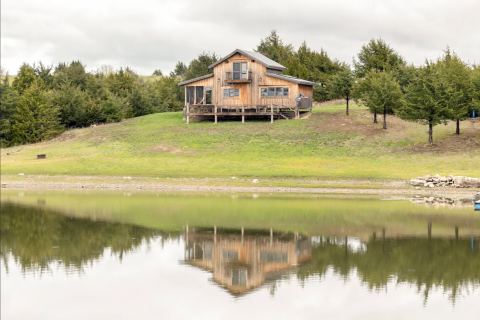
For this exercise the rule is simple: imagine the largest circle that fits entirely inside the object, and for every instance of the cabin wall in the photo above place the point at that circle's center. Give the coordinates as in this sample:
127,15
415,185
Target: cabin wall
205,83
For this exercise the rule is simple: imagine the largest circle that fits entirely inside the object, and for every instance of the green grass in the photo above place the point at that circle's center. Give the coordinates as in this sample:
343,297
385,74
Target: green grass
328,145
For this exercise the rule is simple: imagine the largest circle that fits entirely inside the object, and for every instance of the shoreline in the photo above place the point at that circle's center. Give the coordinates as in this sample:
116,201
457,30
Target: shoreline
360,187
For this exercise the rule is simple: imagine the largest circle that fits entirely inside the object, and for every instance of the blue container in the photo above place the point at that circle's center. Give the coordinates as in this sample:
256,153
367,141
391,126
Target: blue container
477,206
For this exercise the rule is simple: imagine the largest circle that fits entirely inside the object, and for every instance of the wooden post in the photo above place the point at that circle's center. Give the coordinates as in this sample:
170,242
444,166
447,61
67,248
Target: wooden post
456,233
297,112
215,114
215,234
188,113
184,113
271,109
429,229
243,113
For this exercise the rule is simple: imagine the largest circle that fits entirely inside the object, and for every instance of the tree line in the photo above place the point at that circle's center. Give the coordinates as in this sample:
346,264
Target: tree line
43,101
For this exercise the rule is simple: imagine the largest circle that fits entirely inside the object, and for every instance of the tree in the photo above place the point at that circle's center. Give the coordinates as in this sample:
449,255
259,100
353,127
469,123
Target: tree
455,78
475,104
341,86
140,102
199,67
377,55
8,104
157,72
273,48
45,73
36,119
71,103
424,100
73,74
24,79
180,69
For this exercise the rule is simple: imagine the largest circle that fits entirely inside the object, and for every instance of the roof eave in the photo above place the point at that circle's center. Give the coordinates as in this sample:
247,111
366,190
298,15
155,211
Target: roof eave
297,80
246,54
196,79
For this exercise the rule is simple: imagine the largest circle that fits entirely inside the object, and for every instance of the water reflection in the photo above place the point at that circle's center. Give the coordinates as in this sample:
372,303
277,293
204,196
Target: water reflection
242,260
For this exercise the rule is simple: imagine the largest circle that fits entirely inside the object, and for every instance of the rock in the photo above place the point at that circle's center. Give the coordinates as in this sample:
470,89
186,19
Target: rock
431,185
417,182
256,181
426,184
417,188
443,179
21,174
234,178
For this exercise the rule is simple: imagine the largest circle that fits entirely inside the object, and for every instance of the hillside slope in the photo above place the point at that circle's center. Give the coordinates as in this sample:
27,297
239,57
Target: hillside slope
328,145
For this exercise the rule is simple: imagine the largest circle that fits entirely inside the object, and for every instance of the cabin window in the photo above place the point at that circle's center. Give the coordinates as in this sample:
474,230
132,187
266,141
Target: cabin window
273,257
239,277
191,95
231,93
208,95
274,92
199,95
239,70
230,255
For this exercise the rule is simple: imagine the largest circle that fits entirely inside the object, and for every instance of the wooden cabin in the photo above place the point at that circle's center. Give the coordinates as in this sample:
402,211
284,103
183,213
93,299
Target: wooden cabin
246,83
242,260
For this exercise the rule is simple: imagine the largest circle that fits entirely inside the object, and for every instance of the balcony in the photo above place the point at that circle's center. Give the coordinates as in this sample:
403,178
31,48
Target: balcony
238,77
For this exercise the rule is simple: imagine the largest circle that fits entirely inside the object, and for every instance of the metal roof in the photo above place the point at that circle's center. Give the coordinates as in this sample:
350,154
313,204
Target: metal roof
267,62
196,79
291,79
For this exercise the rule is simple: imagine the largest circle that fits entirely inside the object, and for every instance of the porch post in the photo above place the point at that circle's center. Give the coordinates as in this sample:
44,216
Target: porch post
271,116
243,113
188,113
215,114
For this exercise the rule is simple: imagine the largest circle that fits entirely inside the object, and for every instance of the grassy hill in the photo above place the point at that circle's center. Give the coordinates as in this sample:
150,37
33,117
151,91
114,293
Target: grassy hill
328,145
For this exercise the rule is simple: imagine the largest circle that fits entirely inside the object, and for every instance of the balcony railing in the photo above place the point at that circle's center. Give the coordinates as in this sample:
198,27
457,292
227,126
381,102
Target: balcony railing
238,77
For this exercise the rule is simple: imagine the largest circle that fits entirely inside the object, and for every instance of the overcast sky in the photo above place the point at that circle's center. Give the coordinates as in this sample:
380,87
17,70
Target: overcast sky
151,34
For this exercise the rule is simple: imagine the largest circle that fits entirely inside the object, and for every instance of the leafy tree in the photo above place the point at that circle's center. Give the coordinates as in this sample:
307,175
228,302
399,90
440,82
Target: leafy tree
424,100
36,118
180,69
377,55
199,67
157,72
24,79
342,84
8,102
455,77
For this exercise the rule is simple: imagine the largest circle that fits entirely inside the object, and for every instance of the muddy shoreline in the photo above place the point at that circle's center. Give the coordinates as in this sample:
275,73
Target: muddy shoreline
205,185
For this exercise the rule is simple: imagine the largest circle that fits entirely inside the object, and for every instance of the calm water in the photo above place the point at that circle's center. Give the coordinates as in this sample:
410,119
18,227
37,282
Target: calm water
84,255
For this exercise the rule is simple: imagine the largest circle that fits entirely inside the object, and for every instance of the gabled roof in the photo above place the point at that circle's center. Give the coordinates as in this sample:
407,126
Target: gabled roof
291,79
260,58
196,79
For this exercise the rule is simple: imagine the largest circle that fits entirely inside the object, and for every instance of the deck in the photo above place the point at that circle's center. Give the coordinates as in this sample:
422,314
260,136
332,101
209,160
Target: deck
244,110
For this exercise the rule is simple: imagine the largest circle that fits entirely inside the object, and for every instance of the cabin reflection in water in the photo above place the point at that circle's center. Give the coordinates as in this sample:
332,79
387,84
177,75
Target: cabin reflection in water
242,260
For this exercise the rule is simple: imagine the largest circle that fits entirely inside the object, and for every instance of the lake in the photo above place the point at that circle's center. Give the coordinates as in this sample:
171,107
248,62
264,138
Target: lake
98,255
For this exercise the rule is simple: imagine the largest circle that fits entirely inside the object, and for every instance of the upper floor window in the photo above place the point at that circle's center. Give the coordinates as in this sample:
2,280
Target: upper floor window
274,92
239,70
231,93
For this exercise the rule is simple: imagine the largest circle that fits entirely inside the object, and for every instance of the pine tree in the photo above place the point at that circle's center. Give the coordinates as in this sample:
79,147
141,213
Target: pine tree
455,77
475,87
342,85
8,102
377,55
24,79
157,72
36,119
424,100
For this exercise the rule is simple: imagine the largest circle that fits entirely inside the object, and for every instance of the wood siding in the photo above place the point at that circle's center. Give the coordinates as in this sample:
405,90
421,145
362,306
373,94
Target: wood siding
250,92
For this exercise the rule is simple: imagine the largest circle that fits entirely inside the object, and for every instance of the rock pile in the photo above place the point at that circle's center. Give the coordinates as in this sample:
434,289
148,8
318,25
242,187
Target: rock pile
430,181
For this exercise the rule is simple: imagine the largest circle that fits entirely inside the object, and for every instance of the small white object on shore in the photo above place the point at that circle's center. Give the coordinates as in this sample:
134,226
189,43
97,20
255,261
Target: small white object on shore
256,181
21,174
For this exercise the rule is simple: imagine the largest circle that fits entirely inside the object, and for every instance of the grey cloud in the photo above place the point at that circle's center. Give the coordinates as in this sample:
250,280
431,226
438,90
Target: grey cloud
147,35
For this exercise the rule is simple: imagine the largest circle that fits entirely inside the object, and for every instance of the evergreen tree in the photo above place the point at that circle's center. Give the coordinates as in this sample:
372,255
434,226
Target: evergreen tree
120,82
273,48
455,77
73,74
342,84
157,72
71,103
36,119
424,100
45,73
475,85
24,79
140,102
199,67
180,69
377,55
8,103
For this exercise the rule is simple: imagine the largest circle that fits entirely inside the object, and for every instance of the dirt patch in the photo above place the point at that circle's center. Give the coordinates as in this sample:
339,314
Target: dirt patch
359,122
64,137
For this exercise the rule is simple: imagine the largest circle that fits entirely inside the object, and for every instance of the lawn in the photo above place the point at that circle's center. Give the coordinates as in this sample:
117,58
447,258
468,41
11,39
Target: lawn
328,145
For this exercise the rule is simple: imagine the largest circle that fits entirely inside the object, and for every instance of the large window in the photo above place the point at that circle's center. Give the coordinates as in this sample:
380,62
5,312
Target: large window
230,255
274,92
273,257
239,277
227,93
239,70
